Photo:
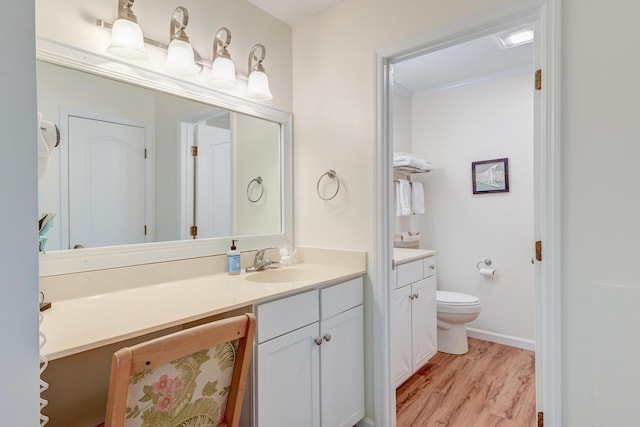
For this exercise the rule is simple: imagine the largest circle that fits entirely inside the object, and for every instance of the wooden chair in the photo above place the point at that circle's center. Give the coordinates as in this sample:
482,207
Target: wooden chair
194,377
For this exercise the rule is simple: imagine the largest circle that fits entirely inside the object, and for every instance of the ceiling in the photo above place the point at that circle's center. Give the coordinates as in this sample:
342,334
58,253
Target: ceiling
472,61
293,11
476,60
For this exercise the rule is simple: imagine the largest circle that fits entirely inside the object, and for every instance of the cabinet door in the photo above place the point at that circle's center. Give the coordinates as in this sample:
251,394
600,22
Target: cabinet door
342,369
288,380
401,359
424,321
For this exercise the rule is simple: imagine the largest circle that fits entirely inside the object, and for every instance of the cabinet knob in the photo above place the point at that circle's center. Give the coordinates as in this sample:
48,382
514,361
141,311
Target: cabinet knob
411,296
327,337
432,267
318,341
416,295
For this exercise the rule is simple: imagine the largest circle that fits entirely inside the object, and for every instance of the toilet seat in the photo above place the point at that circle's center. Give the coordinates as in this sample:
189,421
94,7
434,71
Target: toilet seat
456,298
456,302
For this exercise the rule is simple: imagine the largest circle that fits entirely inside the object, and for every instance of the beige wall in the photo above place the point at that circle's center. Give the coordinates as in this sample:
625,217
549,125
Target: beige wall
334,109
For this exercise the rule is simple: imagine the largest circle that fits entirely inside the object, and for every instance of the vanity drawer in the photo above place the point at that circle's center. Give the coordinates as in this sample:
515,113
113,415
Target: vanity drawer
409,273
430,266
278,317
339,298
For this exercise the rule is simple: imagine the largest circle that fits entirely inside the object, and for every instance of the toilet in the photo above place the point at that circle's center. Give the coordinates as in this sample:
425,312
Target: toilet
455,310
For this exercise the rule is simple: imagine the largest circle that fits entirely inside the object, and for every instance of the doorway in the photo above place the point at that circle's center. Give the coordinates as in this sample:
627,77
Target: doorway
105,175
546,176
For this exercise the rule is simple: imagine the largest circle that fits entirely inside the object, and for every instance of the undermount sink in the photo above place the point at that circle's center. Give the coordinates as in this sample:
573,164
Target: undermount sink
277,275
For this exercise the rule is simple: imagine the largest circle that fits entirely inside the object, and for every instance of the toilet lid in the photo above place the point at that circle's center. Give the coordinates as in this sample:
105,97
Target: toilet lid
455,298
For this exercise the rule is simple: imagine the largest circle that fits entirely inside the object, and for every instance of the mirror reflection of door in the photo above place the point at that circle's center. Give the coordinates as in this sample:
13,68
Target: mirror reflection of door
107,188
213,178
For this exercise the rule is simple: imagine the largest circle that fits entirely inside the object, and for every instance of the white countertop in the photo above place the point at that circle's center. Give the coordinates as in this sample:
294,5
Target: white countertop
76,325
403,256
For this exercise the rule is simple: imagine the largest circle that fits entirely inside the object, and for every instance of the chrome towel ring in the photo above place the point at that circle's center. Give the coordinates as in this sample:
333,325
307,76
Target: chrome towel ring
258,181
331,174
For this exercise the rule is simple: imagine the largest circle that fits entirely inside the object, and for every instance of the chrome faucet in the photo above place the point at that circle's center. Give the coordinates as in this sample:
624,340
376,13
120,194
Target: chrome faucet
260,262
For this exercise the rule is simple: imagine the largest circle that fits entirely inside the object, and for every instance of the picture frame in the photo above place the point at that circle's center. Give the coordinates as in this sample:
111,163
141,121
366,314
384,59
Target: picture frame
490,176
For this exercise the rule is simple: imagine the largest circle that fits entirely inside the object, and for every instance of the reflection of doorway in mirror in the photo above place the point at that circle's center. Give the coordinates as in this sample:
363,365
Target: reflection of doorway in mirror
108,193
213,176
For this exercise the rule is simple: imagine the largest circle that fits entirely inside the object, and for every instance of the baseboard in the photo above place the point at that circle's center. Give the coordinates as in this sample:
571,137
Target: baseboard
502,339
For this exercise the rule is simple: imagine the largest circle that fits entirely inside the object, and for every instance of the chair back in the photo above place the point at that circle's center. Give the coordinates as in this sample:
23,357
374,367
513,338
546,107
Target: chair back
194,377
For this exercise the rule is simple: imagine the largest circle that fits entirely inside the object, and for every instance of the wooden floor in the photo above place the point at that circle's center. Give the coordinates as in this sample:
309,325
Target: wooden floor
491,385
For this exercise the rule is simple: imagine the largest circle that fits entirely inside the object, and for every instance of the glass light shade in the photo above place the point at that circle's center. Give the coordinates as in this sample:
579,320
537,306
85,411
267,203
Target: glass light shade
258,86
127,40
223,73
180,58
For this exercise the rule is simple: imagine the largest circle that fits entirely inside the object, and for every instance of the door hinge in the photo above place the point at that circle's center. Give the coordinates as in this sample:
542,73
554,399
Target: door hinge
539,250
145,230
540,419
538,79
193,231
194,150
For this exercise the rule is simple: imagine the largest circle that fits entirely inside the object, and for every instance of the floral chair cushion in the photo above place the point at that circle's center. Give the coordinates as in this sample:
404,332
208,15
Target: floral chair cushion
188,392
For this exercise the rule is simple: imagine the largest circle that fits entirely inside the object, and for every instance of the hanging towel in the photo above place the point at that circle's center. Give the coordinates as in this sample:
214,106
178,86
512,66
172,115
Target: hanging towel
417,198
403,197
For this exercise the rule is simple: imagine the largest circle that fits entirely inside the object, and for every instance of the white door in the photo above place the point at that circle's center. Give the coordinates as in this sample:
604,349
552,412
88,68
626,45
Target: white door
401,358
288,384
213,181
341,369
107,197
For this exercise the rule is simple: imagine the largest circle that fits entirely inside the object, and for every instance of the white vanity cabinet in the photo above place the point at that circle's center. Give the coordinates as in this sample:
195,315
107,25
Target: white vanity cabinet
309,359
413,317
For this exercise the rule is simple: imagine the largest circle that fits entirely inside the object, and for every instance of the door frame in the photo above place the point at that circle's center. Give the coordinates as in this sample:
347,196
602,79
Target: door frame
547,169
65,113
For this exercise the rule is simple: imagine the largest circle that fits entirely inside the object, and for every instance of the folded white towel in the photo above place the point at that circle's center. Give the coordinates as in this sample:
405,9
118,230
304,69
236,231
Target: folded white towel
417,198
403,197
405,159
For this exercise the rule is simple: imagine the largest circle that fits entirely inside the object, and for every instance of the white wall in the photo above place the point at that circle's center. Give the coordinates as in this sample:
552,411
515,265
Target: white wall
60,87
257,143
600,210
453,128
402,122
18,222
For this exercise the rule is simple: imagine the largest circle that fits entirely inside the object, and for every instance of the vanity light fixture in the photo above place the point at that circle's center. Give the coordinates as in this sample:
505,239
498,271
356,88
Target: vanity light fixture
181,57
223,70
258,84
126,36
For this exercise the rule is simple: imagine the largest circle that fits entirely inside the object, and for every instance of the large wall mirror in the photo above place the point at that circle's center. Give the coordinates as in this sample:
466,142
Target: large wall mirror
147,174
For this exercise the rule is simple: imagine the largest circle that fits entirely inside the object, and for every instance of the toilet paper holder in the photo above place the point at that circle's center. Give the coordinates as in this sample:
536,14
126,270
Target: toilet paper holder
486,262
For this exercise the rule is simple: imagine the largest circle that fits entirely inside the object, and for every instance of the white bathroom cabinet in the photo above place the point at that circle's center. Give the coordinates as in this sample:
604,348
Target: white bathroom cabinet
309,364
413,318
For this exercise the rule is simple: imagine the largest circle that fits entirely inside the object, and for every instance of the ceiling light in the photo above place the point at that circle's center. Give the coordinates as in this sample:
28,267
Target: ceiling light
516,38
126,36
258,85
223,70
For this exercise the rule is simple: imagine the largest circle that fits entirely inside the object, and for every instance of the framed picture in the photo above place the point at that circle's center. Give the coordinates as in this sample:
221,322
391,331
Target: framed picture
490,176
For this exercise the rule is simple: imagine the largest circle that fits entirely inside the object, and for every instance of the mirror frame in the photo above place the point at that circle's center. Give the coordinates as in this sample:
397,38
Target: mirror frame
73,261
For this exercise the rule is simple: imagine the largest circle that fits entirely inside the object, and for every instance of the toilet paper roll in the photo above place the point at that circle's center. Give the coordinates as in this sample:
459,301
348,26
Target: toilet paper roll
488,271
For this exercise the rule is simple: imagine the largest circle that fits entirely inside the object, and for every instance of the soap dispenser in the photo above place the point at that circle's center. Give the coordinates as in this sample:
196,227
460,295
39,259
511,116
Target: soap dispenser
233,259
